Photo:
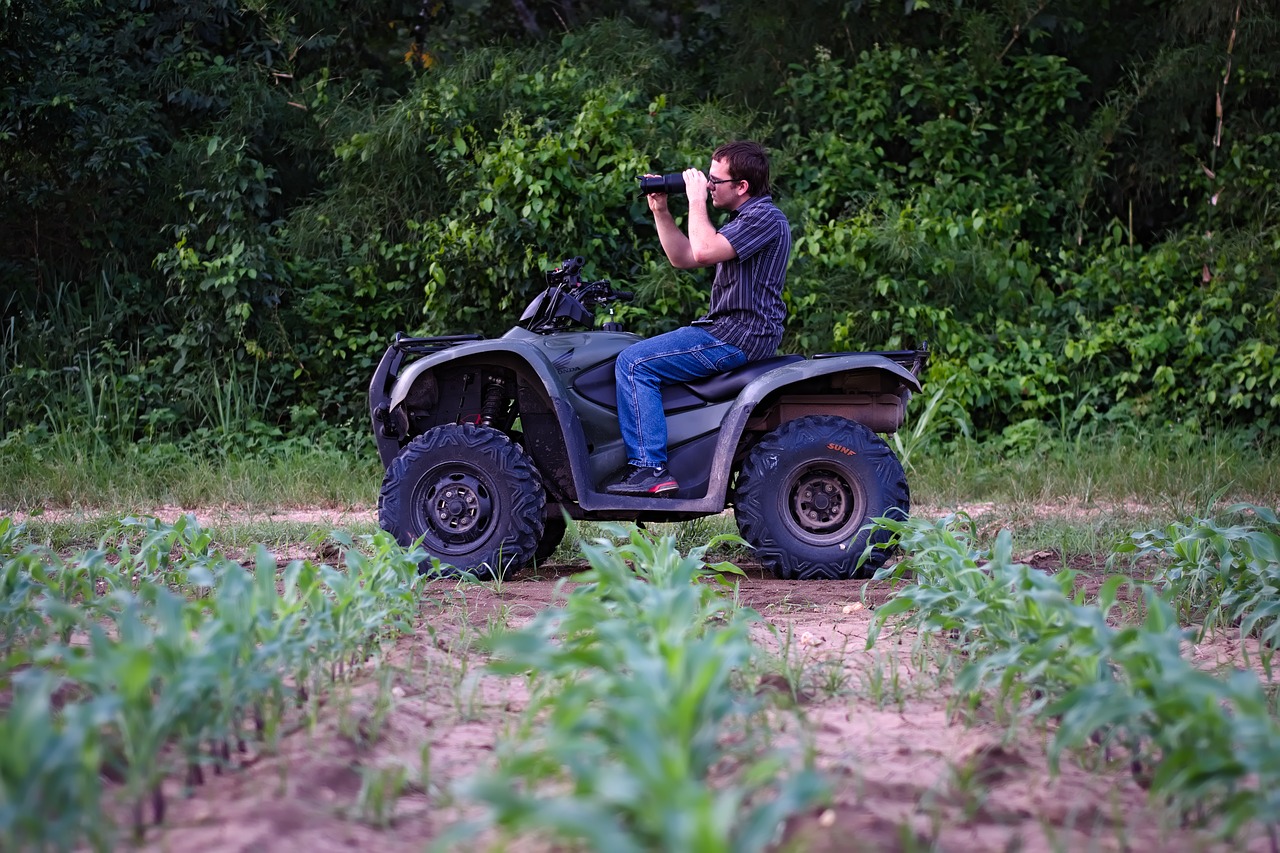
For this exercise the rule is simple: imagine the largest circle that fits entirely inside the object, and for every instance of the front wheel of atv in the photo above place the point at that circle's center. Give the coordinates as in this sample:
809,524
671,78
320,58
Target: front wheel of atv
474,497
553,531
808,491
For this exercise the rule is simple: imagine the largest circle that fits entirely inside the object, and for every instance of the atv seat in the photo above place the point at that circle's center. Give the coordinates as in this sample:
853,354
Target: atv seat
725,386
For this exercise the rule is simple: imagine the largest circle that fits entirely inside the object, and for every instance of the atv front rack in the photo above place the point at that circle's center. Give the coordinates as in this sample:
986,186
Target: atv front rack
423,346
386,431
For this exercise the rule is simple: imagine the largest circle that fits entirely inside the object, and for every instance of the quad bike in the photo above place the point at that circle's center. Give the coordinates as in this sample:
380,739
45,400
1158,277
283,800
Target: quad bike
488,444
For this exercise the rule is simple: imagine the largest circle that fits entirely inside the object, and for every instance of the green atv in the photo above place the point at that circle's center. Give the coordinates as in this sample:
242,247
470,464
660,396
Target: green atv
489,443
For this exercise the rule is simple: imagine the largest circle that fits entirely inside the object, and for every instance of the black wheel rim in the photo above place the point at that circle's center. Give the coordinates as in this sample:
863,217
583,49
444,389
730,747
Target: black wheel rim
821,503
454,508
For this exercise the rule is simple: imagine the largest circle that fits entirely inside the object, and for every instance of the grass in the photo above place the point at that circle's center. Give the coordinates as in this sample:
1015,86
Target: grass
61,473
233,535
1075,498
1167,473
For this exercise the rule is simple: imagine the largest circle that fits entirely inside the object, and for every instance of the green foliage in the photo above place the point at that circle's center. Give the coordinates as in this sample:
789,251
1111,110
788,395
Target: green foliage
902,117
930,215
535,156
1076,213
634,716
149,151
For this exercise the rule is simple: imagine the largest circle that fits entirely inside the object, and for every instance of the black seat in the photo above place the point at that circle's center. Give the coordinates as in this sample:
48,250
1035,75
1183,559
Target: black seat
725,386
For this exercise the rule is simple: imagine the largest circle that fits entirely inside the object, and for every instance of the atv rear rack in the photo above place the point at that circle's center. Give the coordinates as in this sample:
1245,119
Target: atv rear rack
914,360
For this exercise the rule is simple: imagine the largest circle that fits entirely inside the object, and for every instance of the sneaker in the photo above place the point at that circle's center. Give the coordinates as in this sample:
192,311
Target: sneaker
645,481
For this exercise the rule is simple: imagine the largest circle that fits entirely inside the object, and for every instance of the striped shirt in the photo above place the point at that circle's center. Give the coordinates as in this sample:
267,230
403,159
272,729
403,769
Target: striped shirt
746,297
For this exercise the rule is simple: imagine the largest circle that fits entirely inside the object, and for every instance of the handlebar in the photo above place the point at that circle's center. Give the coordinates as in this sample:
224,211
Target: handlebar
571,266
568,275
569,302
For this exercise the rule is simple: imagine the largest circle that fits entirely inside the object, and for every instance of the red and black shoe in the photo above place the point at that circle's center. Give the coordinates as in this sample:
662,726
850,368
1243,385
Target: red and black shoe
645,481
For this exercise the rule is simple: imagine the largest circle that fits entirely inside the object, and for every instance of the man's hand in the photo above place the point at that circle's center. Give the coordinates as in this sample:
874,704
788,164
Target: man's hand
695,185
657,201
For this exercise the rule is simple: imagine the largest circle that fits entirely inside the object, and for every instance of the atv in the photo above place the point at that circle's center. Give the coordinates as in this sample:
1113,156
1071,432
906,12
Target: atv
490,443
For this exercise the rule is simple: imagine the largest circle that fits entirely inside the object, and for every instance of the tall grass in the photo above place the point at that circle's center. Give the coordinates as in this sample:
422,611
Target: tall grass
37,473
72,370
55,361
1169,471
8,352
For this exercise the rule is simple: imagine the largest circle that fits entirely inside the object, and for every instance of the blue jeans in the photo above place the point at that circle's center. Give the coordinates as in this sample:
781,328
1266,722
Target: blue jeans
643,368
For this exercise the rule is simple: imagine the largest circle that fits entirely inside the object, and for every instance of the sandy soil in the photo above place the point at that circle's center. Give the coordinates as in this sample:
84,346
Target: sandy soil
906,773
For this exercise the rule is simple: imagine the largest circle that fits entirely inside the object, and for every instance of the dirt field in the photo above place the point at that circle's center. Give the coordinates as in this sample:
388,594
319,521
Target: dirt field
905,772
905,775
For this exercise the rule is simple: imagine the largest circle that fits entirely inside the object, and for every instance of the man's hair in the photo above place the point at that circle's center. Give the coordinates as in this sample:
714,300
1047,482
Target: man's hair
748,161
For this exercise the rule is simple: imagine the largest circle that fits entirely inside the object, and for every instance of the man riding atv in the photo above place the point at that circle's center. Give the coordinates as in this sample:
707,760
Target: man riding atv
745,319
489,444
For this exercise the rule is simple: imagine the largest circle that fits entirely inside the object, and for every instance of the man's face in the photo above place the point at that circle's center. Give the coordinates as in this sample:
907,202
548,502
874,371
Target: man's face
724,189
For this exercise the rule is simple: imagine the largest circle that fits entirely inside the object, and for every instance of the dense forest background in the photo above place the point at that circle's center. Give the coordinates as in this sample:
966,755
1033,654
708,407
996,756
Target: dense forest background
216,213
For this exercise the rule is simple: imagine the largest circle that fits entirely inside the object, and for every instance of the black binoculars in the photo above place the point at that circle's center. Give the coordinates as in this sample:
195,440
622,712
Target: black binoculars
662,184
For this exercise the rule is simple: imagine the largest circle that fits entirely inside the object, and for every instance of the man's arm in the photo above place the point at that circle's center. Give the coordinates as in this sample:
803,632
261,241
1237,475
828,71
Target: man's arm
674,243
703,247
707,246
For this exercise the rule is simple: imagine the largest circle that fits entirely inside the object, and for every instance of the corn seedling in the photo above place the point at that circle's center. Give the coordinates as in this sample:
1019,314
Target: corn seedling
1209,746
881,682
1220,575
47,759
380,788
174,646
804,668
632,711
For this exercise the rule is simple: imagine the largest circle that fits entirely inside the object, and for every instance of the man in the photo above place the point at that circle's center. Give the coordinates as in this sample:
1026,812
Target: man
744,322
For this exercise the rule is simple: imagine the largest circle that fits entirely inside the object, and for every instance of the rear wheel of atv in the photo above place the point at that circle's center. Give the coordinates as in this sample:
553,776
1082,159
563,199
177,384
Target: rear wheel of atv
807,492
474,497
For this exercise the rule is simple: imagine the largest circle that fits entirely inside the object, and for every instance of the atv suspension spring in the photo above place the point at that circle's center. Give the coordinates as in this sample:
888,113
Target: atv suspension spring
495,402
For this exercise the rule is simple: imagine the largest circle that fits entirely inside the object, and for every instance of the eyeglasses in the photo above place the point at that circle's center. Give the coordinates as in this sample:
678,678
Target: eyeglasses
714,182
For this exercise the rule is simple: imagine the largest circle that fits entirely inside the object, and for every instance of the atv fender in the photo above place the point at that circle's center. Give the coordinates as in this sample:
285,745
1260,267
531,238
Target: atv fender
873,386
508,352
390,388
868,388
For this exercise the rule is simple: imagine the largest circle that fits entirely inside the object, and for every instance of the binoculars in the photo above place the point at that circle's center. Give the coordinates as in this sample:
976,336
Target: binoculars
662,184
